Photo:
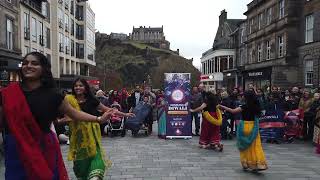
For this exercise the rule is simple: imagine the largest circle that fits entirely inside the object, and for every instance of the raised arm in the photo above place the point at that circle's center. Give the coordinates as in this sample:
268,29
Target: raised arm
75,115
200,108
106,109
233,111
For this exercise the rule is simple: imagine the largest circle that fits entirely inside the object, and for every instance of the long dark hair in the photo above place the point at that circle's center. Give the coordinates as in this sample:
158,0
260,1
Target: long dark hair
252,103
212,100
46,77
88,93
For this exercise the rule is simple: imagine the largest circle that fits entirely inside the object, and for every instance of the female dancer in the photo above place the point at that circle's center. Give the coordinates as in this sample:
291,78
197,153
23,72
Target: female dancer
27,110
212,120
249,142
85,137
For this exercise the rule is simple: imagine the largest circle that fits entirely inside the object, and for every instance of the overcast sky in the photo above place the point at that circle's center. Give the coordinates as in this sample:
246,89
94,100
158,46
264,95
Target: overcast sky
189,25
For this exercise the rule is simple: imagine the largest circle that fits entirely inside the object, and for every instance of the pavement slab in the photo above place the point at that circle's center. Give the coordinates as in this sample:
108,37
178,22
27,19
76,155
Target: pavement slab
151,158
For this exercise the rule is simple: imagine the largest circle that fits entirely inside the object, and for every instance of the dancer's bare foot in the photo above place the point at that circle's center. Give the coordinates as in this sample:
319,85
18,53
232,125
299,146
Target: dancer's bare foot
203,146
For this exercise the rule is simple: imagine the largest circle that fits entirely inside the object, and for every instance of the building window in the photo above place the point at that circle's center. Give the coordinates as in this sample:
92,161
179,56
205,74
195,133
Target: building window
251,56
79,51
72,27
72,47
216,65
26,29
66,22
231,65
66,4
67,44
48,38
224,63
240,58
34,29
79,13
40,32
9,34
309,29
260,52
61,43
260,21
281,9
46,10
308,73
79,32
60,18
61,66
251,25
280,45
268,50
269,15
242,35
72,8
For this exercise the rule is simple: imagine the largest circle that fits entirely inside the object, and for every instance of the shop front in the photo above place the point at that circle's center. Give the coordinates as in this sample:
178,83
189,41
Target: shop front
10,64
212,81
260,78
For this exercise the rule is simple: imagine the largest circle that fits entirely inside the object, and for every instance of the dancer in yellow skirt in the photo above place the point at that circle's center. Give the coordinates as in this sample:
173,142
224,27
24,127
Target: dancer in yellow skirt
86,150
249,143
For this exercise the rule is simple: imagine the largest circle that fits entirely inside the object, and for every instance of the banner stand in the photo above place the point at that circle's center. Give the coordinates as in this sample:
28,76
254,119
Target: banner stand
177,96
178,137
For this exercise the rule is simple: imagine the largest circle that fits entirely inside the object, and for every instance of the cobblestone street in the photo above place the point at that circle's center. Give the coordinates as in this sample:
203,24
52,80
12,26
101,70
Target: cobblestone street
144,158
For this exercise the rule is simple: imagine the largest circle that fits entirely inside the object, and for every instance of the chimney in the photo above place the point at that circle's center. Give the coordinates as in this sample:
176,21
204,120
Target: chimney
223,16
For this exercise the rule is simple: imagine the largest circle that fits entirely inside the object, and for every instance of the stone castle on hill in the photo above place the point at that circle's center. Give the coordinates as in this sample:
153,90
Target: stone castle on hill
153,36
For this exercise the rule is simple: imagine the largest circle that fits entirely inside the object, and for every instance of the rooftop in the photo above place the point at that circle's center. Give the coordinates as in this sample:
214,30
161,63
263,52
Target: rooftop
148,29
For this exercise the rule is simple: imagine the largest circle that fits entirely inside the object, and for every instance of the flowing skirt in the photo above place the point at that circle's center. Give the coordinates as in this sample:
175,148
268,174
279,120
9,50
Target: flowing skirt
14,169
90,167
210,134
253,157
162,123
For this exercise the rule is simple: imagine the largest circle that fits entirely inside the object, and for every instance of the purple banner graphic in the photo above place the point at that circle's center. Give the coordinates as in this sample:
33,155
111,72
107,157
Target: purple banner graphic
177,95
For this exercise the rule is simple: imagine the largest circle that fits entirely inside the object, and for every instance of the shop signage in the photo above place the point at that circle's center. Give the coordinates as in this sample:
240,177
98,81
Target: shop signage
254,74
211,77
258,73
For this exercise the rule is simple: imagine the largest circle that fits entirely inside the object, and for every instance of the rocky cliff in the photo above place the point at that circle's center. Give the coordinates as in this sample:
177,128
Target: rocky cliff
127,63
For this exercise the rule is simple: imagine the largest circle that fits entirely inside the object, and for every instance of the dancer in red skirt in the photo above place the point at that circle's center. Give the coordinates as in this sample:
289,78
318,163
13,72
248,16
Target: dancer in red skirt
210,136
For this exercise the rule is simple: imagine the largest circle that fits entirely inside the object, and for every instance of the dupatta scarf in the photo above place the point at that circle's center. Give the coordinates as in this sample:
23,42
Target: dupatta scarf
39,153
84,136
243,141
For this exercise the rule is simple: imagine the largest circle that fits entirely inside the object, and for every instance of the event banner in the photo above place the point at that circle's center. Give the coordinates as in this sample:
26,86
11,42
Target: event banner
177,95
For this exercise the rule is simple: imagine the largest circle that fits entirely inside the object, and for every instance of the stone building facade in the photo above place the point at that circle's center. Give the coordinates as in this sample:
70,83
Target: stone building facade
218,66
239,37
272,43
150,35
309,51
10,49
